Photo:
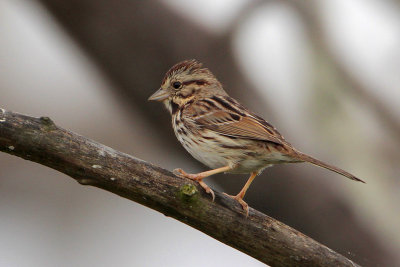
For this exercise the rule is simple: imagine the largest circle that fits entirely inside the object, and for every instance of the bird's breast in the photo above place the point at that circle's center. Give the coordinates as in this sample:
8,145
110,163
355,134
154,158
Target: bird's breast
202,145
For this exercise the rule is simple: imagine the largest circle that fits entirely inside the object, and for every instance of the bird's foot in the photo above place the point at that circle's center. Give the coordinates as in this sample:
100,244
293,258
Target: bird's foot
239,199
195,177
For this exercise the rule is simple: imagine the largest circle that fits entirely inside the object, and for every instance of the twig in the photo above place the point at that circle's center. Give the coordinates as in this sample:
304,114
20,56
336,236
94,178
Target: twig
91,163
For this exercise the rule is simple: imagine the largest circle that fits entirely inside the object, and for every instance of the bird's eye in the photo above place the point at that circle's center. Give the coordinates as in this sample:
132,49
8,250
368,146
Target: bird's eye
177,85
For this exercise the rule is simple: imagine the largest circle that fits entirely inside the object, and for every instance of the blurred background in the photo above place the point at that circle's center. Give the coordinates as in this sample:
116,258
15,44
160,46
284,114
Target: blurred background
325,73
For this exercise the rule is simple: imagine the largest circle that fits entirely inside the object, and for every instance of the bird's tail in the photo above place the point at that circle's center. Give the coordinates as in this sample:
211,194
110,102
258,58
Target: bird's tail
322,164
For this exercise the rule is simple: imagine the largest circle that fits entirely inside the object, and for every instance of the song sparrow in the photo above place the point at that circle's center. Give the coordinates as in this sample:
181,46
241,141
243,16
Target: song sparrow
221,133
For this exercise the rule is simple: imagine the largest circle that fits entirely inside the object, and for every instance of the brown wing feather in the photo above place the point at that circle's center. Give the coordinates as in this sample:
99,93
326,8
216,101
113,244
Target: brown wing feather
235,125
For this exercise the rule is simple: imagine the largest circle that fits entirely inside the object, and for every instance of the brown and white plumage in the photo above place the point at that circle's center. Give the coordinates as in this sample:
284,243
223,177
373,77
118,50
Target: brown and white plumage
221,133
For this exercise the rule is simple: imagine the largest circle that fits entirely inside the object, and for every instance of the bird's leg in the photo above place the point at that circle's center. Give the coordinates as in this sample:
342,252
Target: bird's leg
239,197
198,177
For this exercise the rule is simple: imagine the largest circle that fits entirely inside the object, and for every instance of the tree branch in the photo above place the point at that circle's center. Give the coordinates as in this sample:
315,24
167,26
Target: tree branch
91,163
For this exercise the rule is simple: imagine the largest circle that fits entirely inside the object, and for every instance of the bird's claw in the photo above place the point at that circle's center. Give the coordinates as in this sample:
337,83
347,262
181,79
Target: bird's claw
194,177
179,172
244,205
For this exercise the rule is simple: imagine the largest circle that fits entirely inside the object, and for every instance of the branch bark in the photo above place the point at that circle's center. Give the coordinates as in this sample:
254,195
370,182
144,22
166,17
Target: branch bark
91,163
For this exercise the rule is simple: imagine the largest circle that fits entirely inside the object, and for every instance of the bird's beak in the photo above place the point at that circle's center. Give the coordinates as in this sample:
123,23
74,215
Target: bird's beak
159,95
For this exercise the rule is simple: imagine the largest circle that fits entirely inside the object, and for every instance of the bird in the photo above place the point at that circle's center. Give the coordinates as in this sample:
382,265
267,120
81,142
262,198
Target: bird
220,132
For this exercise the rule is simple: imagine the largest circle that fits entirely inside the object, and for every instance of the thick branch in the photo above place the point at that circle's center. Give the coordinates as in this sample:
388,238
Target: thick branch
91,163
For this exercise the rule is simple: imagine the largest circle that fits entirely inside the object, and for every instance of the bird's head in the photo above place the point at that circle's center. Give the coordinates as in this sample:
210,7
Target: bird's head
184,82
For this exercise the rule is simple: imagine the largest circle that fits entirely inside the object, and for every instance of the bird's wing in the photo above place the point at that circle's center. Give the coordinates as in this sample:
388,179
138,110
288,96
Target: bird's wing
244,125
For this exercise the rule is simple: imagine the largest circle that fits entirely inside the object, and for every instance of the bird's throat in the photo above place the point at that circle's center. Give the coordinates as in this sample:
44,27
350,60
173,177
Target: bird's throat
174,107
